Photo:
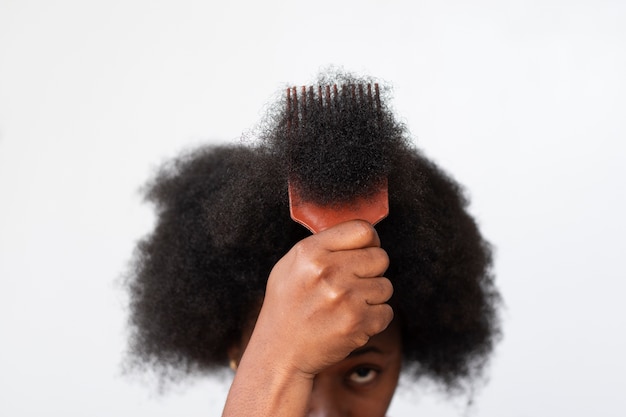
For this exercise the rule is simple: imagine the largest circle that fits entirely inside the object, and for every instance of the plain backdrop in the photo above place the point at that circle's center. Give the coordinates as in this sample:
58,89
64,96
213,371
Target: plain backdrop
523,102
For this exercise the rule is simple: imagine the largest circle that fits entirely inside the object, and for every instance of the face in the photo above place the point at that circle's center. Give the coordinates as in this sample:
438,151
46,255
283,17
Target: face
362,385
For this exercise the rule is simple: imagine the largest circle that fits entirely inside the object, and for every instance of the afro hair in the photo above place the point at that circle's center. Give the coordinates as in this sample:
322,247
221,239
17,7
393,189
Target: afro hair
223,222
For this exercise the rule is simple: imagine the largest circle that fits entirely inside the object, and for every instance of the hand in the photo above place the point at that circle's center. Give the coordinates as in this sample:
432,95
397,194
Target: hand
325,298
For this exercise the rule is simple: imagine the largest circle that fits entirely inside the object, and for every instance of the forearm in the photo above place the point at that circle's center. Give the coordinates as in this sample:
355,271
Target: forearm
262,388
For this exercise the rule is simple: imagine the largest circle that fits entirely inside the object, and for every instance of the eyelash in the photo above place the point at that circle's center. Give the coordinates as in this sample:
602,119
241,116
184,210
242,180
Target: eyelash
370,376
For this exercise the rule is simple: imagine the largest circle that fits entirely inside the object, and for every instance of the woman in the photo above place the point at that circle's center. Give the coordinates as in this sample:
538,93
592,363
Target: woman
316,324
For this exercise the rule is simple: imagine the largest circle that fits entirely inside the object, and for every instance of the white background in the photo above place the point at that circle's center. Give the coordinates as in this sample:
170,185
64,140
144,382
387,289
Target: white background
523,101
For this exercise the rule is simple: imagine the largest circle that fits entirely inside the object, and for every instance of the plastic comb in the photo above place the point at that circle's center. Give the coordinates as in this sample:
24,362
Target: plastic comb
315,216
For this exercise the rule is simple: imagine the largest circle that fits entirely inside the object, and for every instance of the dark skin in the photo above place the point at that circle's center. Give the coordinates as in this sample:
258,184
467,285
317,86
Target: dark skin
322,343
363,384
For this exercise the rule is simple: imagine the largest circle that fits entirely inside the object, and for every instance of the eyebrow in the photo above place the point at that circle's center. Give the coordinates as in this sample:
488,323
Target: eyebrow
364,350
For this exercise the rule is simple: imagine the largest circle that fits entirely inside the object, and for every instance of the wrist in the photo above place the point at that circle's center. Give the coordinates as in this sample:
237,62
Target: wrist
264,387
282,360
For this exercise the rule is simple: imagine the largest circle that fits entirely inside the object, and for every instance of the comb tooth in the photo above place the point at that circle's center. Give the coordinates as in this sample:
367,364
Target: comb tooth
361,92
320,95
303,98
369,93
335,94
328,95
353,88
295,107
377,93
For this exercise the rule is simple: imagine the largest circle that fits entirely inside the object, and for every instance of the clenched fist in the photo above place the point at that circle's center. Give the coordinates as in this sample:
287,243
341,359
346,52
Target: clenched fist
325,298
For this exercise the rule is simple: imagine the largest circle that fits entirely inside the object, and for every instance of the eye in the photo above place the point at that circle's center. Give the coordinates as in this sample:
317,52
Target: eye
363,375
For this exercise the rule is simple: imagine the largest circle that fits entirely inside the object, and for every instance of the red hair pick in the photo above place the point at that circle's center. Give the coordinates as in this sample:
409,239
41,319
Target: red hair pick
316,217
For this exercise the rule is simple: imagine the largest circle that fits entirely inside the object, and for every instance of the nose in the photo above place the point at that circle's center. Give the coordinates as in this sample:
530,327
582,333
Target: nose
325,400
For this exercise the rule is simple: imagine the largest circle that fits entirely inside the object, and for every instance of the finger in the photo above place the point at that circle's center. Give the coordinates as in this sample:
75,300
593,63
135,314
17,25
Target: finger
378,318
376,290
363,263
353,234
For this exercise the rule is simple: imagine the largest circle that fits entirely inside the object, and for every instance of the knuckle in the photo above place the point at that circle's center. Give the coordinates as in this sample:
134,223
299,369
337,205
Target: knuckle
387,314
360,339
384,257
379,291
386,287
379,260
382,319
336,294
302,249
311,260
364,231
325,271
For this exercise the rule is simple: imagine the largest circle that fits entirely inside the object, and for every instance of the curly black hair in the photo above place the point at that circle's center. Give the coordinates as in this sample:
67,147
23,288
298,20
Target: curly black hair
223,222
